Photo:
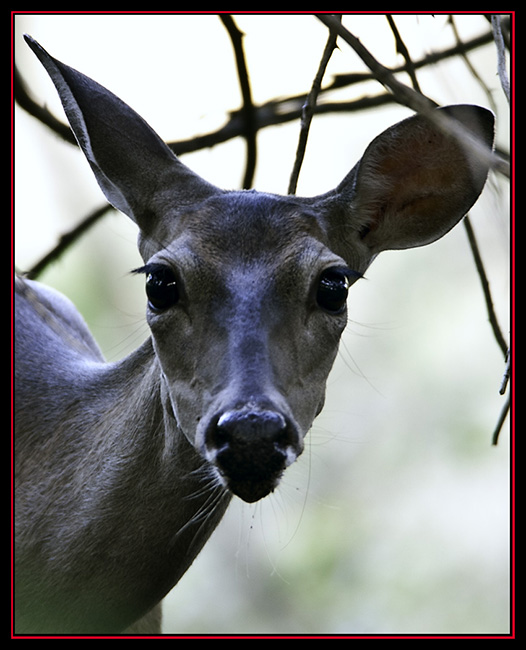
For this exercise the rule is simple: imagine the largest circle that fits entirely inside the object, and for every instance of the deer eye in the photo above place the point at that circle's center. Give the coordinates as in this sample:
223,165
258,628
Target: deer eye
333,288
161,287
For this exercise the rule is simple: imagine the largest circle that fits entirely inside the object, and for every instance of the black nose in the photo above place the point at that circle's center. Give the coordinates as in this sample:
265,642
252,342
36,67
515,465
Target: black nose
251,448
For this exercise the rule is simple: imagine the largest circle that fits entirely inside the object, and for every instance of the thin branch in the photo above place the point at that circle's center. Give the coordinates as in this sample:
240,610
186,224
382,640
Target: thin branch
273,112
25,100
409,97
463,54
505,410
250,130
500,422
66,240
485,286
308,111
403,94
506,376
402,49
346,79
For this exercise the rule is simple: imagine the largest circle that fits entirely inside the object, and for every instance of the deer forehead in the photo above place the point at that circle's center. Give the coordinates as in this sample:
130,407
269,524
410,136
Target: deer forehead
236,234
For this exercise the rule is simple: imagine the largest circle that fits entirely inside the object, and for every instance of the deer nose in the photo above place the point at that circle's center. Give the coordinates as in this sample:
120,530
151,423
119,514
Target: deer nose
251,448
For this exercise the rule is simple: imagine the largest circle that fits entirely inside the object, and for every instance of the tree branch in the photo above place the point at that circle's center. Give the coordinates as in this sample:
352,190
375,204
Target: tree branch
25,100
66,240
403,94
308,111
485,286
248,111
402,49
344,79
500,422
273,112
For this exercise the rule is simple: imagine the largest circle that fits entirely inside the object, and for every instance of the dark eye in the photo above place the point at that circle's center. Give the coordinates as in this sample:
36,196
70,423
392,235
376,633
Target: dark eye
332,291
161,288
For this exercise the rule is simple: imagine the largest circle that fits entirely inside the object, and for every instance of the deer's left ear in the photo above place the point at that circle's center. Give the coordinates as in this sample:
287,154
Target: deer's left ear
418,179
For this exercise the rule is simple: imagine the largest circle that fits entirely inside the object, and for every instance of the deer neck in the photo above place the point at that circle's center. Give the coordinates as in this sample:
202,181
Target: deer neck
140,505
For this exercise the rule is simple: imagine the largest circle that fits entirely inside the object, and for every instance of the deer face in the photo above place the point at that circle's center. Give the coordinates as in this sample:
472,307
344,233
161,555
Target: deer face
246,305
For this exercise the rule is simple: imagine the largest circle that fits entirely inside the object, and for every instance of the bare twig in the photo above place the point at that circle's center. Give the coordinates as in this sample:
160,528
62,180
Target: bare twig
500,422
347,79
505,410
403,94
273,112
463,54
506,376
308,111
402,49
66,240
413,99
485,286
250,130
24,99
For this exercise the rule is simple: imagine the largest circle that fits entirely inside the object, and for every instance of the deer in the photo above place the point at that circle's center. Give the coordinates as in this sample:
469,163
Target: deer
122,470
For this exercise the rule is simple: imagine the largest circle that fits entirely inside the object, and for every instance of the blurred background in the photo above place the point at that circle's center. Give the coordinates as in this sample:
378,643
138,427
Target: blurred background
396,518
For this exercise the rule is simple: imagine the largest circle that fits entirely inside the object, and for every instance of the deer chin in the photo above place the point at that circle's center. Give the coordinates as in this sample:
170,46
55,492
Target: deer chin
248,490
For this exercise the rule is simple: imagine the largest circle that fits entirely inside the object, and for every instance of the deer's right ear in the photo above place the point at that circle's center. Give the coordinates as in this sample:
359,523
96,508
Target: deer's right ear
418,178
130,161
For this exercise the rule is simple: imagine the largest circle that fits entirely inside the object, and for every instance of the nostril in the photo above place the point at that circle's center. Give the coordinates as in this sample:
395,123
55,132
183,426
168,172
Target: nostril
238,425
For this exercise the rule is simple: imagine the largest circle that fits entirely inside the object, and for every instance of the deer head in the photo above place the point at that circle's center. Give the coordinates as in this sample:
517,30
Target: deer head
246,290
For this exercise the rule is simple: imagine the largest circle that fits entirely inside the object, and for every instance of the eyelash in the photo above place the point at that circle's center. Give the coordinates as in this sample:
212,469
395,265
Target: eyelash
161,286
163,291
